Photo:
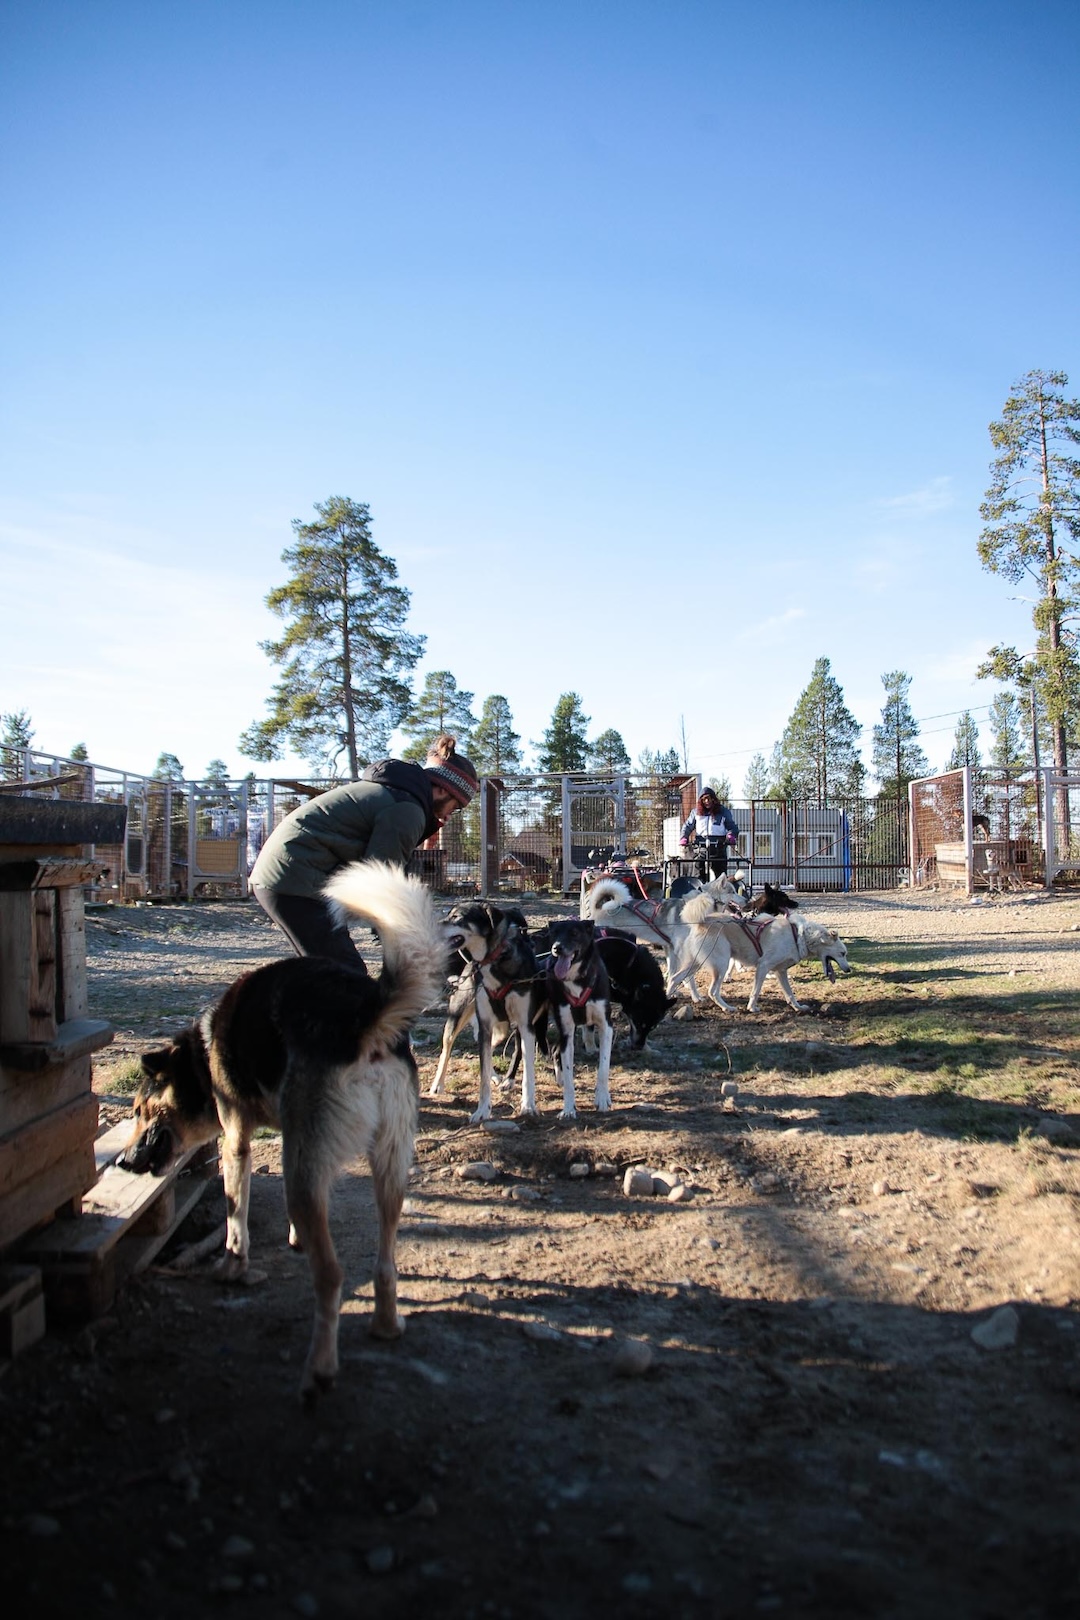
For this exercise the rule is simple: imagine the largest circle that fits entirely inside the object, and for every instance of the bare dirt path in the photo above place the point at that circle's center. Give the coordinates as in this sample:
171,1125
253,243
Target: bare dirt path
806,1427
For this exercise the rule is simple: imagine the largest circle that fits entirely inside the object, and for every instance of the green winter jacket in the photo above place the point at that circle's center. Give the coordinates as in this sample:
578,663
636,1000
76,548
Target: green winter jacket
360,821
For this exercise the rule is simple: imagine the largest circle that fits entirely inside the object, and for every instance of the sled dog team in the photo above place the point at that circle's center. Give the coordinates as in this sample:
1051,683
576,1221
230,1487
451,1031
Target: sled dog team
318,1049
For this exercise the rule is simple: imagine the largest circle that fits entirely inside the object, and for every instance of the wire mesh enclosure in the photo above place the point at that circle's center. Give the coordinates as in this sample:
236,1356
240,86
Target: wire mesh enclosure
540,833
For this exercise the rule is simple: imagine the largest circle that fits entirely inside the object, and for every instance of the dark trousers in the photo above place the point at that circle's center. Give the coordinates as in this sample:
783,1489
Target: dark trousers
309,927
713,860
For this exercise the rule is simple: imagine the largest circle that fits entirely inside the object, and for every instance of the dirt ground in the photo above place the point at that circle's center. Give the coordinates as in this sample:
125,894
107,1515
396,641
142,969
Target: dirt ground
761,1397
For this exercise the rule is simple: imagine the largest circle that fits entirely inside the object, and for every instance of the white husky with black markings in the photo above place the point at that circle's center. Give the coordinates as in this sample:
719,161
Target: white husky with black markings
768,945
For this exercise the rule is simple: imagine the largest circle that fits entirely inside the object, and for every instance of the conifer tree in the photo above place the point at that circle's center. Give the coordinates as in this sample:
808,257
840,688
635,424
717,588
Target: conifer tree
608,755
897,757
1032,532
345,655
564,746
496,745
817,758
441,706
965,748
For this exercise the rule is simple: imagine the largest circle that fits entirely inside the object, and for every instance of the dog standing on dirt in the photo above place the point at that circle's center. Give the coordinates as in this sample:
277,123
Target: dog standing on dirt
769,944
509,994
312,1047
636,982
579,992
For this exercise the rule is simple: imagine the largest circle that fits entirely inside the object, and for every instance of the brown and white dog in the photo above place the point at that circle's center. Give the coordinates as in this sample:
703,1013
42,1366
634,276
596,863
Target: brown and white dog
320,1051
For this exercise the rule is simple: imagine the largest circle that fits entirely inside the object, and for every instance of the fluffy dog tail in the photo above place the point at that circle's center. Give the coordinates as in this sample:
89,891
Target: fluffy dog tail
400,909
700,907
608,895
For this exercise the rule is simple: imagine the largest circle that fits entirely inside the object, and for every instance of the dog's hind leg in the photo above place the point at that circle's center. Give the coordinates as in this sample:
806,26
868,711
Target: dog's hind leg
308,1201
456,1019
236,1178
390,1156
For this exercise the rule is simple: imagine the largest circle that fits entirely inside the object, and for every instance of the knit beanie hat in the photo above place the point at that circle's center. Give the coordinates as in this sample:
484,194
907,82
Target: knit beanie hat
452,770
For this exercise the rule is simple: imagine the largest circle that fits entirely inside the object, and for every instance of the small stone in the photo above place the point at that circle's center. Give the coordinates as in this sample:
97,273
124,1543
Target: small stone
541,1332
683,1014
238,1547
680,1194
578,1172
1054,1129
665,1181
729,1088
478,1170
425,1507
475,1301
882,1189
638,1183
41,1524
767,1182
999,1331
524,1195
501,1127
604,1167
380,1560
632,1359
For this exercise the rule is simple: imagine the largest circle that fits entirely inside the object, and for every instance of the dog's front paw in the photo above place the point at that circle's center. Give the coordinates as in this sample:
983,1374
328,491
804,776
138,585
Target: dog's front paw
313,1385
480,1115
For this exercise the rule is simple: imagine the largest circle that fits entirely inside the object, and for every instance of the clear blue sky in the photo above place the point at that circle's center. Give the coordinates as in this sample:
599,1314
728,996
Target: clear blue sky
661,338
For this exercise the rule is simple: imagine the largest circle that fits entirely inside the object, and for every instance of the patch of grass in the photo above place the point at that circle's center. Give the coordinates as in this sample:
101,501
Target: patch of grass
120,1077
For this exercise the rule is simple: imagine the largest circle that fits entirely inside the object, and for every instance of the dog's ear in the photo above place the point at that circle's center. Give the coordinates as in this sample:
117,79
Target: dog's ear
155,1063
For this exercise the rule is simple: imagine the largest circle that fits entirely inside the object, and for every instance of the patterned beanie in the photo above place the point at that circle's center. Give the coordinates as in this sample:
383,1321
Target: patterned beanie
452,770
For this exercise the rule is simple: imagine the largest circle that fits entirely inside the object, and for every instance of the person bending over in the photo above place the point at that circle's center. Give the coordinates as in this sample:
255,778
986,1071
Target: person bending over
385,816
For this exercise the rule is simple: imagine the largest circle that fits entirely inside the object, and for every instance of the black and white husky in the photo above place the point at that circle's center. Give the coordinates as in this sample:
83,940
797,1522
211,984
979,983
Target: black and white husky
579,992
502,979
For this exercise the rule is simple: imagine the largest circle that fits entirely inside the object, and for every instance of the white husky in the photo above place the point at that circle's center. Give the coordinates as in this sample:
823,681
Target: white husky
768,945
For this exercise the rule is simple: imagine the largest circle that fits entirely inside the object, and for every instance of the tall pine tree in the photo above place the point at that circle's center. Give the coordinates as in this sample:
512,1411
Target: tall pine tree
965,748
817,758
897,757
1032,532
441,706
345,654
496,745
564,746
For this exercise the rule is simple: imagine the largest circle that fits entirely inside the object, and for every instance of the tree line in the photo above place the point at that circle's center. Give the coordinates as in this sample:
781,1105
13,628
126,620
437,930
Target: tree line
346,658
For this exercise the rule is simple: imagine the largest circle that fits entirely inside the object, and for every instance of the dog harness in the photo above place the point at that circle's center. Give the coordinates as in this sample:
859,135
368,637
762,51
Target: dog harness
754,931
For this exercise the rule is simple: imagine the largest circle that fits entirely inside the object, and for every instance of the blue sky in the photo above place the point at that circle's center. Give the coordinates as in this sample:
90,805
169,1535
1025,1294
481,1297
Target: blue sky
661,339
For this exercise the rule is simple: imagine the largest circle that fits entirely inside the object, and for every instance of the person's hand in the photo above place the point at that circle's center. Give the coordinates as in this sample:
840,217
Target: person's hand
683,843
733,839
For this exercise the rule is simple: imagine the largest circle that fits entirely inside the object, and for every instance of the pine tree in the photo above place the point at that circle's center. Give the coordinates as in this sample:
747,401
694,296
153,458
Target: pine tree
564,746
608,755
16,733
1031,510
817,758
495,743
659,762
721,786
756,780
965,749
167,769
1009,752
345,653
79,753
897,757
441,706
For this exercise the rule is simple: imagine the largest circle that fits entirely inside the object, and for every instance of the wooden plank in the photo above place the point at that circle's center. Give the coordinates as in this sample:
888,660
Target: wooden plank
26,820
111,1208
42,870
77,1038
27,1007
22,1309
111,1143
145,1247
72,995
26,1207
29,1149
25,1095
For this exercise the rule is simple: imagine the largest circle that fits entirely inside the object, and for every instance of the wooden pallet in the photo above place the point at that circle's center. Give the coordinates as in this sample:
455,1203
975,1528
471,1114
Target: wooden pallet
22,1309
126,1220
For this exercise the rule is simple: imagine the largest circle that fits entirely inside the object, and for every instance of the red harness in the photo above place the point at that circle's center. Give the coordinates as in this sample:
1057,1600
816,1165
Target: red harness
754,930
